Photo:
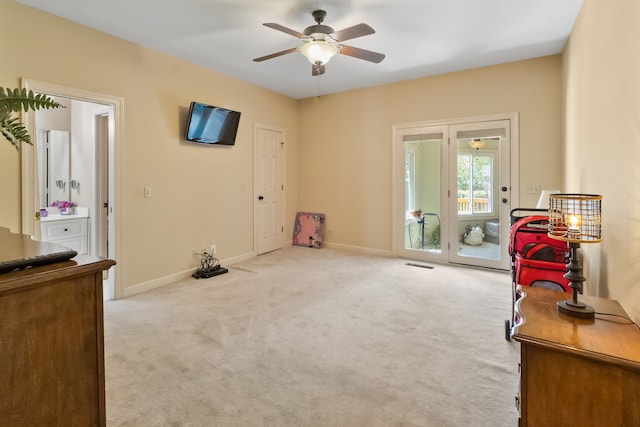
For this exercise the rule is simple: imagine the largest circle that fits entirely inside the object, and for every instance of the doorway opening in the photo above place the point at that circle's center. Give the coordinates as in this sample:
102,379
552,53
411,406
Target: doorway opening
107,173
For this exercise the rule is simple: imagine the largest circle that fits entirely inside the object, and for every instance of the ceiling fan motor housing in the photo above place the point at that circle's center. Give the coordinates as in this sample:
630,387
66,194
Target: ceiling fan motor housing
318,29
318,16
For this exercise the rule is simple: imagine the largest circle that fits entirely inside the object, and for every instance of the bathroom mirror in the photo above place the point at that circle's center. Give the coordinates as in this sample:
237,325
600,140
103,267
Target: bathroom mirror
54,166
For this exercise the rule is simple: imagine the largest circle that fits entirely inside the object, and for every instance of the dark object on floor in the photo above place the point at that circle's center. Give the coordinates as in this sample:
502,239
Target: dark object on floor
202,274
413,264
209,267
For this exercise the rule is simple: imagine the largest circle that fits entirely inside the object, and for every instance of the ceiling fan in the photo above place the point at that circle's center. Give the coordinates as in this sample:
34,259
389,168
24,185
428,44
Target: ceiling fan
322,42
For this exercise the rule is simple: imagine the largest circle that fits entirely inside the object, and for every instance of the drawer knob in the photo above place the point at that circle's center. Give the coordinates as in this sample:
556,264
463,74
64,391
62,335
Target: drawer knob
66,229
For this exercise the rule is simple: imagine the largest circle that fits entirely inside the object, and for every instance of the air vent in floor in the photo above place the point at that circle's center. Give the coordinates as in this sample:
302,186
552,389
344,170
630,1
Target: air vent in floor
430,267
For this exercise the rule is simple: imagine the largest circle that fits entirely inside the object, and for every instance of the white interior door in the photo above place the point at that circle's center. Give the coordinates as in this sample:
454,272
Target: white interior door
269,189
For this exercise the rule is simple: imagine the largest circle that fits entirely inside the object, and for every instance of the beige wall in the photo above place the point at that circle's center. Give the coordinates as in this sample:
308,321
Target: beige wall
197,196
602,95
345,140
338,153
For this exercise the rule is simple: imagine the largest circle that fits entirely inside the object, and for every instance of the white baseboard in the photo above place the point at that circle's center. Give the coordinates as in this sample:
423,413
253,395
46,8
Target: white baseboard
237,259
156,283
172,278
360,249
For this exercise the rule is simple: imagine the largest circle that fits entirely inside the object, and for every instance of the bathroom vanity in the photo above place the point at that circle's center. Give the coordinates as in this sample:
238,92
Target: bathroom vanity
69,230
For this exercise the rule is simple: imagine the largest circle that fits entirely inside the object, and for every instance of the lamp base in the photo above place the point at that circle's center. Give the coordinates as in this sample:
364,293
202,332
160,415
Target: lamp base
574,309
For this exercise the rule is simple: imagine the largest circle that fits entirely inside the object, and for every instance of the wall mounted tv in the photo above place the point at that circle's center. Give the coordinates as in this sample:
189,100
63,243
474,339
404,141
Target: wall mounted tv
207,124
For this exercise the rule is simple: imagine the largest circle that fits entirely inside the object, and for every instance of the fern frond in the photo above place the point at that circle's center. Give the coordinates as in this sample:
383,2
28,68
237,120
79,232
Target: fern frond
14,101
19,99
15,132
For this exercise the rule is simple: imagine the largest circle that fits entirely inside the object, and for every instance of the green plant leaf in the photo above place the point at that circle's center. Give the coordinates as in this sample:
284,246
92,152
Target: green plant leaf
15,132
17,100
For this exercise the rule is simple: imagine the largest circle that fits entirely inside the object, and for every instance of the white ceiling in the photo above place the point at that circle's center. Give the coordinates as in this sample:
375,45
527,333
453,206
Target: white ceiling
419,37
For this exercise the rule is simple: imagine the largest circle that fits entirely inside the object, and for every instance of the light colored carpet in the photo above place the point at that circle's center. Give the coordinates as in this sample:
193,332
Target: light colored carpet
315,337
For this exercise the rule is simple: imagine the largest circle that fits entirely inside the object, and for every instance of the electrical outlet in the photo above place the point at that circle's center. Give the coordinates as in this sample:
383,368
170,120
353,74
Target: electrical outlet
213,249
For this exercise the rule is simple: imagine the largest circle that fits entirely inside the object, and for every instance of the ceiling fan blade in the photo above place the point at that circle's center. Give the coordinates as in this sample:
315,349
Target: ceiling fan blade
367,55
275,55
284,29
316,70
353,32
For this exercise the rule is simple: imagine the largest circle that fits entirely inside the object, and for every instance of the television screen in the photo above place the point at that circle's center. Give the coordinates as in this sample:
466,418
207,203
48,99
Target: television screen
207,124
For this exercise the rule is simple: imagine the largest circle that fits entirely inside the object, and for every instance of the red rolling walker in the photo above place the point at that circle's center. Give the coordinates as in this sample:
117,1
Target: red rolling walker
537,260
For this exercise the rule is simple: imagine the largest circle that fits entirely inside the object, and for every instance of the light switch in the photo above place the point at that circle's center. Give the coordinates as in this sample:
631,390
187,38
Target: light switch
147,192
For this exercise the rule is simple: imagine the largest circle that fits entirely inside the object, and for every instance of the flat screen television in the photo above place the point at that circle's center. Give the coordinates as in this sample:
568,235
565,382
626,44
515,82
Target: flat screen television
207,124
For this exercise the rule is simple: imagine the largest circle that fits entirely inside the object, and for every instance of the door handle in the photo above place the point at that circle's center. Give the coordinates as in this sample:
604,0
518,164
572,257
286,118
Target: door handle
504,200
260,198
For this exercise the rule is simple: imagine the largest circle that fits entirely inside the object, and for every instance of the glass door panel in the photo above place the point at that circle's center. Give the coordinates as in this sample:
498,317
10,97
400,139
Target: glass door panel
452,190
481,193
423,184
419,207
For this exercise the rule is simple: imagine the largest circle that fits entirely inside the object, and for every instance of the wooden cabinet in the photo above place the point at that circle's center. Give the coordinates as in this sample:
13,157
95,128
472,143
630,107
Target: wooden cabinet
52,344
576,372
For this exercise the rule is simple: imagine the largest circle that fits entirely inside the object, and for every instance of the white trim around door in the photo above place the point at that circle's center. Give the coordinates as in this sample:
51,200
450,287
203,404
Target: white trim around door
30,197
429,231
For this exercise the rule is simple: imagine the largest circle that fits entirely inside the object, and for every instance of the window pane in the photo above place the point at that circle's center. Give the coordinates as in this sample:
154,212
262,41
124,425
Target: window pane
422,191
410,180
481,181
464,181
475,184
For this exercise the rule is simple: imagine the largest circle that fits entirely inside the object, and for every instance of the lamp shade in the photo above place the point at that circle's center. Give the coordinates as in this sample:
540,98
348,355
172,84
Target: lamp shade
543,201
575,217
319,52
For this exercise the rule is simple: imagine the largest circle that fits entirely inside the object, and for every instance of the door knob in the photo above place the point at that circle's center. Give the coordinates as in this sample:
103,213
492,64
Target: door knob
260,198
504,188
504,200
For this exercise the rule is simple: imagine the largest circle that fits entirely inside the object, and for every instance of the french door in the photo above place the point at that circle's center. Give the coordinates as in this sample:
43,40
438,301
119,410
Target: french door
454,189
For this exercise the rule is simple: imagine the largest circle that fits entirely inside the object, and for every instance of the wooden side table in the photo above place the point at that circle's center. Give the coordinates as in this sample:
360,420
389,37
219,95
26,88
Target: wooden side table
576,372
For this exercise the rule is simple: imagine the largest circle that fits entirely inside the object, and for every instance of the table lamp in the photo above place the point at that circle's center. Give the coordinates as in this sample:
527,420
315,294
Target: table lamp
576,219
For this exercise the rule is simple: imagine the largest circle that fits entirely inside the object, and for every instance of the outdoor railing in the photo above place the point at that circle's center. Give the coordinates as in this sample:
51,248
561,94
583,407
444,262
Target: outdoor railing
479,205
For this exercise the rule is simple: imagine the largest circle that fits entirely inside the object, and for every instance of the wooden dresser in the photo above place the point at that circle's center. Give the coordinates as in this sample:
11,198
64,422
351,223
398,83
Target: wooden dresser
576,372
52,344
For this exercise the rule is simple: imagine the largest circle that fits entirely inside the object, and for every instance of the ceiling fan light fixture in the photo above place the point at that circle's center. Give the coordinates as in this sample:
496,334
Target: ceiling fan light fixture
319,52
